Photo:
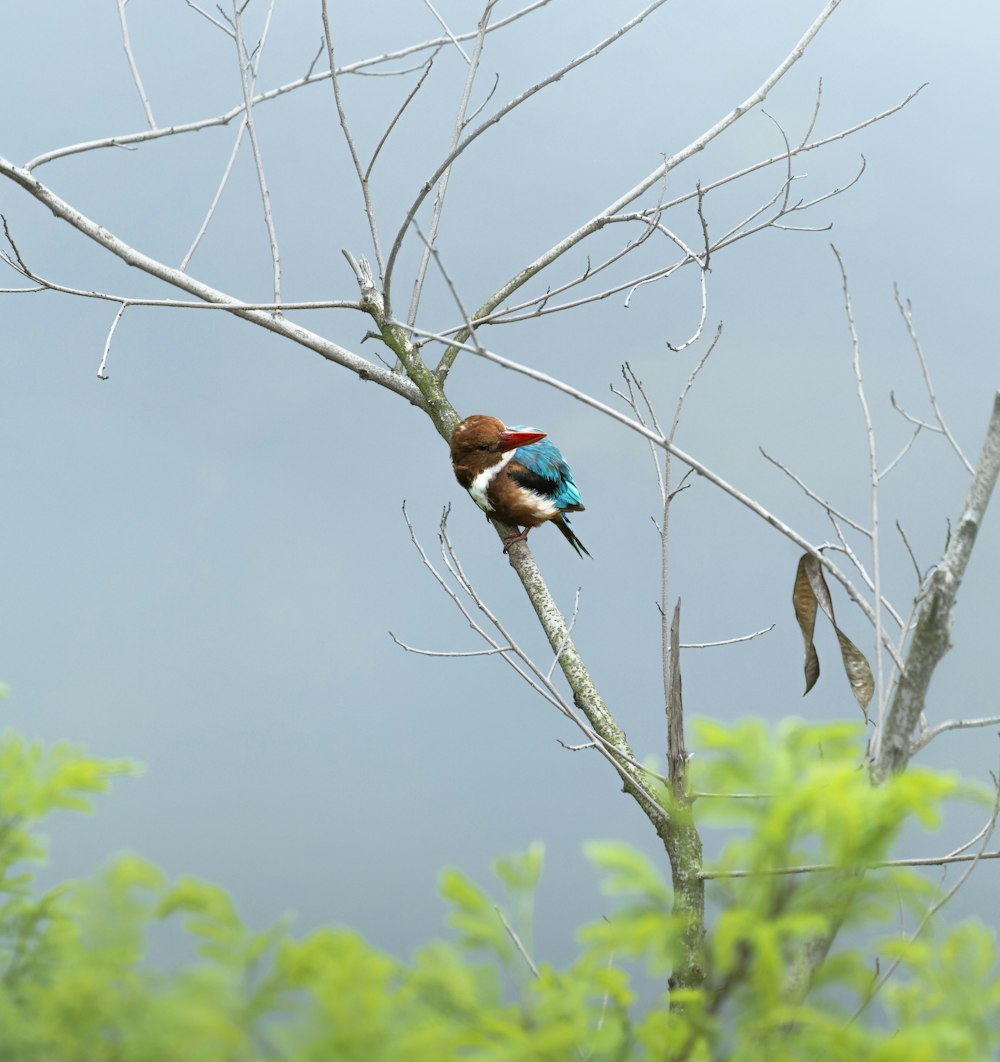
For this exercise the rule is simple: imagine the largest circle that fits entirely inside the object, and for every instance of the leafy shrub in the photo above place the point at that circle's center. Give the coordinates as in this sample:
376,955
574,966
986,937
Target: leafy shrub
77,984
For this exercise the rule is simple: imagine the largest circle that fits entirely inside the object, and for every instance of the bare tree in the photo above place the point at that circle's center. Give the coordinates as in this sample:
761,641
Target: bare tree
670,224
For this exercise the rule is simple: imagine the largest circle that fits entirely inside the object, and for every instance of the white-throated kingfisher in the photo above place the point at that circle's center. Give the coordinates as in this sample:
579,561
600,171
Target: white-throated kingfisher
516,476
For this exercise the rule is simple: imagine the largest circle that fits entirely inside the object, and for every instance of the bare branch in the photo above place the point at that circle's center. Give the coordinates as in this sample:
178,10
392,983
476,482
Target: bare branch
973,862
244,122
358,67
362,175
132,64
45,284
448,652
813,496
496,117
822,868
248,75
907,311
315,58
748,226
569,630
432,251
815,115
199,235
905,450
460,121
601,219
909,550
692,462
599,726
426,69
873,485
366,370
954,724
910,417
930,640
728,641
101,373
444,25
522,951
204,14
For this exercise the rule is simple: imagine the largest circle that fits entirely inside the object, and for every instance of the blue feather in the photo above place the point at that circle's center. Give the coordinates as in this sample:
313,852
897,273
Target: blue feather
555,479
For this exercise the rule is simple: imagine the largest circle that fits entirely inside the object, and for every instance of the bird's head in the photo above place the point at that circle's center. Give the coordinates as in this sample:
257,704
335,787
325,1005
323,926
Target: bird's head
479,441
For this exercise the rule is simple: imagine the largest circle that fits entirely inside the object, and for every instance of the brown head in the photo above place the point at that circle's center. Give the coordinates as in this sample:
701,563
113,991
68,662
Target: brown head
479,441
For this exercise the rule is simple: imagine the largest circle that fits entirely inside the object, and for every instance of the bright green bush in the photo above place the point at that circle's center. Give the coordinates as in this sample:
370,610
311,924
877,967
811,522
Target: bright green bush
77,984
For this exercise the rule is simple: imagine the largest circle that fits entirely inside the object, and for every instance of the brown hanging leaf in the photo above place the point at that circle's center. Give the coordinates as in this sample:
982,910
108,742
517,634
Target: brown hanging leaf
804,602
809,594
859,674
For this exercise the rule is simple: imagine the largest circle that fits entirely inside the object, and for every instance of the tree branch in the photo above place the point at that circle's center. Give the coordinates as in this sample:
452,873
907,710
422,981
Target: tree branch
273,322
127,43
600,220
930,640
358,67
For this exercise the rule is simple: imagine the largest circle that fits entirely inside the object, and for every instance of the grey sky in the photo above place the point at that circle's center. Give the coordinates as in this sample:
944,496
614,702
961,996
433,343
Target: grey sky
203,555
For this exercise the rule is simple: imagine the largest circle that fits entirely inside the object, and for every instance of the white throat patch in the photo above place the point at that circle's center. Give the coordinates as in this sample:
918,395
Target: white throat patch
481,484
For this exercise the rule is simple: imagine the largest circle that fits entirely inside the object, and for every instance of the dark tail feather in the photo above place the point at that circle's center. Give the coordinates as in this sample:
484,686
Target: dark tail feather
563,524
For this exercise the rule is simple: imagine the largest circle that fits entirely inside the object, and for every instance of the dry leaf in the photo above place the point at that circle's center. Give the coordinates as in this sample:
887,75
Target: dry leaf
804,601
809,594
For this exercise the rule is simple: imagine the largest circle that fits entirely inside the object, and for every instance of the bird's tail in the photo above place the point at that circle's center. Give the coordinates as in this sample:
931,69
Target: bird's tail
563,524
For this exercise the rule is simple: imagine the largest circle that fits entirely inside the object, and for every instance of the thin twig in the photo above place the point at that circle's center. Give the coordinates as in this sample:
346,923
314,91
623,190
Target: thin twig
444,25
474,135
813,496
101,373
619,758
601,219
448,652
873,484
909,550
907,446
696,335
248,76
132,64
358,67
460,121
487,315
522,951
973,862
199,235
349,139
557,653
916,421
426,69
953,724
930,638
204,14
826,868
728,641
741,231
365,369
173,304
692,462
907,311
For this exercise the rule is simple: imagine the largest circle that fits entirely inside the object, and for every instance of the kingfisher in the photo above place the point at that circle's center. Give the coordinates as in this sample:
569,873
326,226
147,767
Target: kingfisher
515,475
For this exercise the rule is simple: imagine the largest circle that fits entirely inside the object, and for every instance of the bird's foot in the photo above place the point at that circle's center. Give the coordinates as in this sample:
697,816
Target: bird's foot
521,536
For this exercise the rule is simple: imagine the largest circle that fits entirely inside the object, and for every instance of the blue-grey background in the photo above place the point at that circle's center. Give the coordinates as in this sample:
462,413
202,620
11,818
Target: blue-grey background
203,555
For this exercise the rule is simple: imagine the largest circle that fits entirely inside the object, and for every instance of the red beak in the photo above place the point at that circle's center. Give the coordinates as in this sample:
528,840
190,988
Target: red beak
511,440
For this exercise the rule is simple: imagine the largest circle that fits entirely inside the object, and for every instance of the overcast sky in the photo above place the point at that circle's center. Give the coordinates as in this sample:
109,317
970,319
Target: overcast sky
204,554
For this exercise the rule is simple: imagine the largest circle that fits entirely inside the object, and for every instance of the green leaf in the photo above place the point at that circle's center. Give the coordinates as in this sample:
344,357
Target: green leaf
627,871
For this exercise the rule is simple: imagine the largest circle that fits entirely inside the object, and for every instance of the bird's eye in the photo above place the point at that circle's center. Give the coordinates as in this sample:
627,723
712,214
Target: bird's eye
483,446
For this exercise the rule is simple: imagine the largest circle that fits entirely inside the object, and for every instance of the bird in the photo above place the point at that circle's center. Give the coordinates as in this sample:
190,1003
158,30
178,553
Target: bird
515,475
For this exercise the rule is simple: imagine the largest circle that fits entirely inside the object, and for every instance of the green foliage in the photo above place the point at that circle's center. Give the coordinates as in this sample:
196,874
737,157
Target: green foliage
77,982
